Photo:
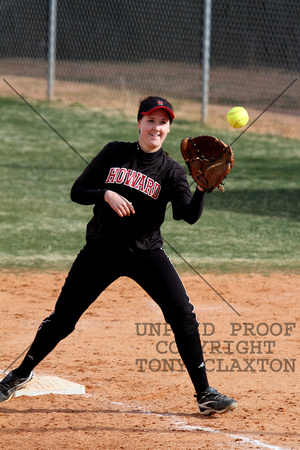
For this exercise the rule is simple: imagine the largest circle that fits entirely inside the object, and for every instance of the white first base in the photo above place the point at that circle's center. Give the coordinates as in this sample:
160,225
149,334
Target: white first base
50,385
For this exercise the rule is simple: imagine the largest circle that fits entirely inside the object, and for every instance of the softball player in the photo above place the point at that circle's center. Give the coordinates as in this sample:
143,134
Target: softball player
130,185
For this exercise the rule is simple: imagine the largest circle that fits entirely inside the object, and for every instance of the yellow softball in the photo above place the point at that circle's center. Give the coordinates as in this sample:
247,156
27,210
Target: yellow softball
237,117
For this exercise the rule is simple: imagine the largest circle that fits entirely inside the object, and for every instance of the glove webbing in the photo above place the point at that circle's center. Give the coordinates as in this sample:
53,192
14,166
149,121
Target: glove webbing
203,157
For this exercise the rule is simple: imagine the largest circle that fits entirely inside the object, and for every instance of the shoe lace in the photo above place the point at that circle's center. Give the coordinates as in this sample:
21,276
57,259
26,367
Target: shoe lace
8,384
215,396
4,386
212,396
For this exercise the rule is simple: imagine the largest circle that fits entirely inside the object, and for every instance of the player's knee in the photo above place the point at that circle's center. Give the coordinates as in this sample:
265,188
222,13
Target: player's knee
58,326
185,324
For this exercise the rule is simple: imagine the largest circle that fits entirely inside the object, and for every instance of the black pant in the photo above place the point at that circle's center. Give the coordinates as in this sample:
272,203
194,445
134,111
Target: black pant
93,271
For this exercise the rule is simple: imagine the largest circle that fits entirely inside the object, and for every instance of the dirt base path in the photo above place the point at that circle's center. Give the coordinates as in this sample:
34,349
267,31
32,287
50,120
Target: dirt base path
124,355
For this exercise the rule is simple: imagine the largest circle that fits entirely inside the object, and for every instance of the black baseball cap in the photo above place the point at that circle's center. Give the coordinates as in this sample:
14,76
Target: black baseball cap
150,104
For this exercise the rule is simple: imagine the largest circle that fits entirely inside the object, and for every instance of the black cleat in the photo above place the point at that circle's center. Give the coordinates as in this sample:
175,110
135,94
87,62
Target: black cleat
211,402
10,384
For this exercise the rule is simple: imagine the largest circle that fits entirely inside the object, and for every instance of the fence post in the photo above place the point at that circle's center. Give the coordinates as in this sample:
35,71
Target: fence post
51,47
206,56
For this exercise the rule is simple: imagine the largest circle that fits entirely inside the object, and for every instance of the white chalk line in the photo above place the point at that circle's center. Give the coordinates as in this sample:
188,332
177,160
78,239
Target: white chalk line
182,425
240,439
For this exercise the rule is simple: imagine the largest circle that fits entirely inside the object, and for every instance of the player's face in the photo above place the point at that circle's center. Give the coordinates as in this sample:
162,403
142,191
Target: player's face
154,129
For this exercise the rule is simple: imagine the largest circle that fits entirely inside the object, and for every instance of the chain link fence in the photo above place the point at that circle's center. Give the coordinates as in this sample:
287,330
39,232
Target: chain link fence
110,53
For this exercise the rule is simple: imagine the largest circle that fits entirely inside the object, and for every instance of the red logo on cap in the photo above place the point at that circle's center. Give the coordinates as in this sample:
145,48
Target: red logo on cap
160,102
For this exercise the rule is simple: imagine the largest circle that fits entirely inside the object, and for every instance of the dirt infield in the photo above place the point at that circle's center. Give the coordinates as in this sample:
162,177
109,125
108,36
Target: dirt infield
123,353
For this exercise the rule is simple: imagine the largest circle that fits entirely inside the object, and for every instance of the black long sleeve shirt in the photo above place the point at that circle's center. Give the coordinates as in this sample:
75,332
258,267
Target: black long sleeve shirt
149,181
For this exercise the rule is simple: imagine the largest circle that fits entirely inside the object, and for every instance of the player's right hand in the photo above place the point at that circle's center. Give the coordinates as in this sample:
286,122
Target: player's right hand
119,204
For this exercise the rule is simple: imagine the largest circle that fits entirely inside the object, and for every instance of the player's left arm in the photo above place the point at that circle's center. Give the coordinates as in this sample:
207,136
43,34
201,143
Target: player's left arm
186,206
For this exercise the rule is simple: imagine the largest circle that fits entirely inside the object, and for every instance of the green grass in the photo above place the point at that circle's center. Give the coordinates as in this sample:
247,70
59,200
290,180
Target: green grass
252,227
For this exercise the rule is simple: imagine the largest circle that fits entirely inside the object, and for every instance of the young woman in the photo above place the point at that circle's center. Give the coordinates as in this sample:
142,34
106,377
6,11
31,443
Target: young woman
130,185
